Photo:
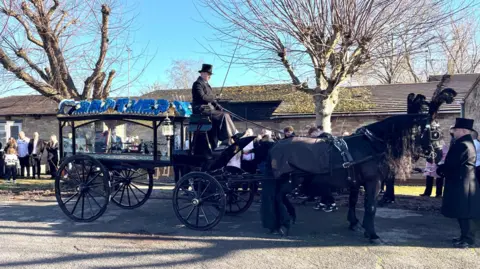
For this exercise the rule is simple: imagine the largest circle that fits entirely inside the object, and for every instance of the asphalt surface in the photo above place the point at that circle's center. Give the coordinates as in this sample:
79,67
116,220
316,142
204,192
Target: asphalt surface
36,234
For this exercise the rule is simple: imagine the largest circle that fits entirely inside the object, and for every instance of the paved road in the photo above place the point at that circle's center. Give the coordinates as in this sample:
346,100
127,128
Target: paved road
35,234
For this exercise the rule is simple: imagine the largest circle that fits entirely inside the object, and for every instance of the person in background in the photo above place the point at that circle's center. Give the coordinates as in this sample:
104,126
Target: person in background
52,155
11,165
323,134
11,143
35,149
461,197
430,174
288,132
327,201
23,156
313,132
116,141
477,150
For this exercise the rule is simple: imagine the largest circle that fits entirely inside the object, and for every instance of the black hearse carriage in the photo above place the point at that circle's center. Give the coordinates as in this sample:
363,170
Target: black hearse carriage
109,150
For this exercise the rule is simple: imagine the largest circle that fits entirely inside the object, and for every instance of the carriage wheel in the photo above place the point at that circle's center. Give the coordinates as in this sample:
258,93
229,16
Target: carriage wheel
82,188
131,188
199,201
239,197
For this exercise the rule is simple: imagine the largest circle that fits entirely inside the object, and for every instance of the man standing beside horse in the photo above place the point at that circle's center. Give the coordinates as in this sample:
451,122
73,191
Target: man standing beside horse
461,200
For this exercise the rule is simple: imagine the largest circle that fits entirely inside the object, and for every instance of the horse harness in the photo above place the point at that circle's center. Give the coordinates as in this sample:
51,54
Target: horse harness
348,162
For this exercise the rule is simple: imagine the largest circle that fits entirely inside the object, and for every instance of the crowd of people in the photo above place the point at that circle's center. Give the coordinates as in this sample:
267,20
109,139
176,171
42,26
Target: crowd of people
23,155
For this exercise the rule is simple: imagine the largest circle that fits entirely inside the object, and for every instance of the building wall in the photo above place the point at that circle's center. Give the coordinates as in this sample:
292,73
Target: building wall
472,107
339,124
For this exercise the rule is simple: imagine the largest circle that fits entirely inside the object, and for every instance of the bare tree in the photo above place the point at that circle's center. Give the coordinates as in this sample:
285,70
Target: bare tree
331,39
182,73
54,46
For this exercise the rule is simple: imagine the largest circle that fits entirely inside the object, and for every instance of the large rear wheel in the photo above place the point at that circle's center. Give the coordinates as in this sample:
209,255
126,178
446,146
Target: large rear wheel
82,188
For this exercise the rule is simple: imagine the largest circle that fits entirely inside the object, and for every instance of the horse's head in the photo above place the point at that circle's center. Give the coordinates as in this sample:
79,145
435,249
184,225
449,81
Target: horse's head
427,134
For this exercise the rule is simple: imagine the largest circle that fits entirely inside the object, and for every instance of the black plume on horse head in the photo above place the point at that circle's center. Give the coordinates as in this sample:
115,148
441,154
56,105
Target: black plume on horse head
416,104
445,96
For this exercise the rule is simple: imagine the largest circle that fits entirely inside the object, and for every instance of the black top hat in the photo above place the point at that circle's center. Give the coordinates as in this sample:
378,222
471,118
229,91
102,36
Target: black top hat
206,68
462,123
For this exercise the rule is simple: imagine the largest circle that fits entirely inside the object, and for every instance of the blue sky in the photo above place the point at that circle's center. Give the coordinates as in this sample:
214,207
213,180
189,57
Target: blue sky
174,29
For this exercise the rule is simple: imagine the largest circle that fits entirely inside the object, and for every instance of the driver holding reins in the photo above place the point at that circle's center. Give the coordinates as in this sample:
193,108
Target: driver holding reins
203,102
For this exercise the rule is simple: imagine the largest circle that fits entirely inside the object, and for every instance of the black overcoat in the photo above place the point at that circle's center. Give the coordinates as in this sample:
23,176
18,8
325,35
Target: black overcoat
461,197
202,94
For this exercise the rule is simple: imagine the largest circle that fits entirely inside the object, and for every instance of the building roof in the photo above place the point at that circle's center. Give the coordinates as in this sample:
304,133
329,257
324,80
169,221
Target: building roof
284,99
27,105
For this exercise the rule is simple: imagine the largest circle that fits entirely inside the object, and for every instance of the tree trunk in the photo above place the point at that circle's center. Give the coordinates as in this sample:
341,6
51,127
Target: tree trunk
324,106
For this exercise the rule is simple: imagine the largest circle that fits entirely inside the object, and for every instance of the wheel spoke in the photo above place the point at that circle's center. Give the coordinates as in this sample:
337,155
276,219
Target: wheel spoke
128,196
208,185
138,189
91,180
71,197
83,204
131,189
116,192
76,170
185,207
138,176
90,205
94,200
76,203
99,194
123,191
190,214
205,215
241,198
198,215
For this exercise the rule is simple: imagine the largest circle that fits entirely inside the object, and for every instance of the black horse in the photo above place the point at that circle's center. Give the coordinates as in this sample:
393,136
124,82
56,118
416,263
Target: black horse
373,151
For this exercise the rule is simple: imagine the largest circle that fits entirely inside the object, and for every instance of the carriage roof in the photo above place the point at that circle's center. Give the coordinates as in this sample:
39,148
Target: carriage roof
142,111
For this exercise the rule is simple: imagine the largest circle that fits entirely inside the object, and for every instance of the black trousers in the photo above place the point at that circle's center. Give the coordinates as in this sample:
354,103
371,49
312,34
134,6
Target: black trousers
11,172
36,165
24,164
477,173
429,186
467,230
326,195
53,163
389,189
222,128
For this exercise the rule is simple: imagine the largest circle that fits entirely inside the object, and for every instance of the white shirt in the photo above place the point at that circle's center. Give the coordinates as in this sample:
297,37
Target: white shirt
23,147
477,149
35,146
11,160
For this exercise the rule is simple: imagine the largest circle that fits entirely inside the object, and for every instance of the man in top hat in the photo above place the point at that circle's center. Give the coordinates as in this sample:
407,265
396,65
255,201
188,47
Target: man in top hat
203,100
461,200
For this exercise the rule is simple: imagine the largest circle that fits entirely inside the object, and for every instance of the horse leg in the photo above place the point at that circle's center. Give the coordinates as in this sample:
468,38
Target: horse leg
371,192
290,208
352,203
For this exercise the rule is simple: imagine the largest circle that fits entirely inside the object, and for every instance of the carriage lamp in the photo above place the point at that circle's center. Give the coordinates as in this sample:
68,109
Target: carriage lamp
167,127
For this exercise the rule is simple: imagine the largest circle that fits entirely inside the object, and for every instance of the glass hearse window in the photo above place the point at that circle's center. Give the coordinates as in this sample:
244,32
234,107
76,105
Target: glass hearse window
115,138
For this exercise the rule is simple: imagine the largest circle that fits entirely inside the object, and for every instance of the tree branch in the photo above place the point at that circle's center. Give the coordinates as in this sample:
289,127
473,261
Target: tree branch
30,36
108,85
43,88
87,90
22,54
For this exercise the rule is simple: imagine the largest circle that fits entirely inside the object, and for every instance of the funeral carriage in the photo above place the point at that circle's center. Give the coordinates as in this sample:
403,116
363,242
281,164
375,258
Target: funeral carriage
110,149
